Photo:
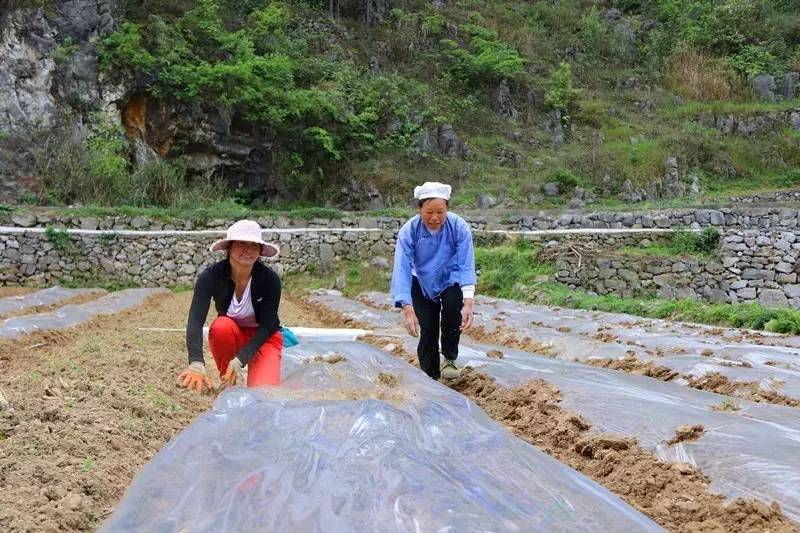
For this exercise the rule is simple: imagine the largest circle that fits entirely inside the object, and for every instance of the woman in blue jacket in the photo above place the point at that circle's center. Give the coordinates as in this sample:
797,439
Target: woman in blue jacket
434,279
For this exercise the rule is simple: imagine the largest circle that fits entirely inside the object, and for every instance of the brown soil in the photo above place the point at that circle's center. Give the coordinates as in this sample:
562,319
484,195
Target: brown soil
674,495
77,300
749,390
330,359
508,338
494,354
387,379
687,433
6,291
81,411
633,365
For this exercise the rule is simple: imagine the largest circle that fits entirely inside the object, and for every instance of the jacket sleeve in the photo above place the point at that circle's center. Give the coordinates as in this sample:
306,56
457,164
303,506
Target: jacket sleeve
464,274
198,312
269,322
401,274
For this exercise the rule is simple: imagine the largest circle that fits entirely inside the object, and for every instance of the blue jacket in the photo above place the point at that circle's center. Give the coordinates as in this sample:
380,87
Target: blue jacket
438,260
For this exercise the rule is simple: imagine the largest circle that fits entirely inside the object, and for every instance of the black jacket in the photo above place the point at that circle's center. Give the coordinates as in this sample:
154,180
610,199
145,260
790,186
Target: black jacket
215,282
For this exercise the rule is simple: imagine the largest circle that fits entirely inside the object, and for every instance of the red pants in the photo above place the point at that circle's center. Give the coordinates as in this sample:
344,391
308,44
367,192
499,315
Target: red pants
226,339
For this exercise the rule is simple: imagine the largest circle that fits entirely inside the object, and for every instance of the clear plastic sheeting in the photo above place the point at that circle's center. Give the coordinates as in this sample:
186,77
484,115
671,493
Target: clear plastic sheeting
49,296
752,453
344,447
577,335
73,315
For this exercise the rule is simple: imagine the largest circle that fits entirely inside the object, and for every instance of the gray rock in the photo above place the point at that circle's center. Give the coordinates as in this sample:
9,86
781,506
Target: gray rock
139,222
717,218
24,220
502,102
764,87
772,298
792,291
788,89
748,293
380,262
551,189
485,201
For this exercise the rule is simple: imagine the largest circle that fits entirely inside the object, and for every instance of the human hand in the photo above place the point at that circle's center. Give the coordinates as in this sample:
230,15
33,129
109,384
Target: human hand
195,377
234,373
467,315
410,321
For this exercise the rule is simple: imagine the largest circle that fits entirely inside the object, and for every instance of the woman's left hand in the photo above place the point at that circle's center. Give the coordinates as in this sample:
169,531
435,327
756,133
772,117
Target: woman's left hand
466,315
234,373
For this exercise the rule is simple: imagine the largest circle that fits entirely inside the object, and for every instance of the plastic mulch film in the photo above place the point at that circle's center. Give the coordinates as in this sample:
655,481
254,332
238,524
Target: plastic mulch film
43,297
72,315
753,452
577,335
358,440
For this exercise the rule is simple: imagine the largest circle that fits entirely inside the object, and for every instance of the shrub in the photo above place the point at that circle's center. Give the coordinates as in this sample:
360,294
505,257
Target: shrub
561,94
698,76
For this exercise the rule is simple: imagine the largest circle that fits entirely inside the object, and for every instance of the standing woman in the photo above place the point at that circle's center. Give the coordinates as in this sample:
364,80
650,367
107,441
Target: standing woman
246,294
434,278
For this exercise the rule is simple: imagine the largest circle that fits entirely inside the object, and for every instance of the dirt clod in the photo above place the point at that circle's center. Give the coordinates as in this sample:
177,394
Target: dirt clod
388,380
494,354
686,433
331,359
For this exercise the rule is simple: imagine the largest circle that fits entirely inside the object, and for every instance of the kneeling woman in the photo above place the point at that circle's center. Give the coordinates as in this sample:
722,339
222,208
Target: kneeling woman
247,331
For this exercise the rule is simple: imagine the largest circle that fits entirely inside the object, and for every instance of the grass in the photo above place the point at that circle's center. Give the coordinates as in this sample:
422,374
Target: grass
681,244
359,277
691,108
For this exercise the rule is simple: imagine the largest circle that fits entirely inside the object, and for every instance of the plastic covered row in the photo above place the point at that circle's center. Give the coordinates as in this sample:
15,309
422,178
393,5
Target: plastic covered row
357,440
577,335
75,314
753,452
50,296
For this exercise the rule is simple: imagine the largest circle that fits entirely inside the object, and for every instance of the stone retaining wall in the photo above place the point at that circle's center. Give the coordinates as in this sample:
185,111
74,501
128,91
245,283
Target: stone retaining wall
730,218
753,266
168,258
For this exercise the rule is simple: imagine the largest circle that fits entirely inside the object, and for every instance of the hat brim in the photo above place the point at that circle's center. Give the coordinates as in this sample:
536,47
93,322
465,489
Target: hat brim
267,249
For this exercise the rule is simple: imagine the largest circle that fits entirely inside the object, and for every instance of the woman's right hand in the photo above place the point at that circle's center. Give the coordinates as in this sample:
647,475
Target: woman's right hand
195,377
410,320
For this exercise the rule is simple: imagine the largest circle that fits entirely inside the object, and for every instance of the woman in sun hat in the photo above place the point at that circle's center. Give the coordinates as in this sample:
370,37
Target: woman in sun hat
434,278
246,294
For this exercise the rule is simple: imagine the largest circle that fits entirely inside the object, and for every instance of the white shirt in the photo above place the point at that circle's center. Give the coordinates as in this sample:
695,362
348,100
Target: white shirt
241,311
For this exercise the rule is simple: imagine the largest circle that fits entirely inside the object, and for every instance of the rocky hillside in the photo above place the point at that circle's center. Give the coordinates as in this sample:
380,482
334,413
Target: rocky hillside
347,103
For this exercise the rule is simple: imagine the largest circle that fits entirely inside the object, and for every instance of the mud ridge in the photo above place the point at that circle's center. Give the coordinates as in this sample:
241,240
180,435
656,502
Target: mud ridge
674,495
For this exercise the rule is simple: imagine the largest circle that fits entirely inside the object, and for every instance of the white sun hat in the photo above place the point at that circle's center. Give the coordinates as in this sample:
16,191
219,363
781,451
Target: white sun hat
247,231
432,189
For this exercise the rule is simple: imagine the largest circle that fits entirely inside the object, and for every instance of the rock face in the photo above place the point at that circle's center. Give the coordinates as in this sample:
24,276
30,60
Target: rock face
441,140
48,69
747,125
502,103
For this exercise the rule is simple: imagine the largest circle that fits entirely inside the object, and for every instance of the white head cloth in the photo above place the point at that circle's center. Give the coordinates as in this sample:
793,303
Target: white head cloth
432,189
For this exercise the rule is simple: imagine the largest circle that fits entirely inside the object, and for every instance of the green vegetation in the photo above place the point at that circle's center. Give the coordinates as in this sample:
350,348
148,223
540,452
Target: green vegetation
60,239
682,243
358,277
333,119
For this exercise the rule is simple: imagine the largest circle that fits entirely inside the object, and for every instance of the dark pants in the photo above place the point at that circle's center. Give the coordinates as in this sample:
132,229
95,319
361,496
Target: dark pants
445,311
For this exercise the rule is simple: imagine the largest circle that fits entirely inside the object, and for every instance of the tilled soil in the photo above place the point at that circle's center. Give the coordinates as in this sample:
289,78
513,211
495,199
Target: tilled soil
6,291
88,407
